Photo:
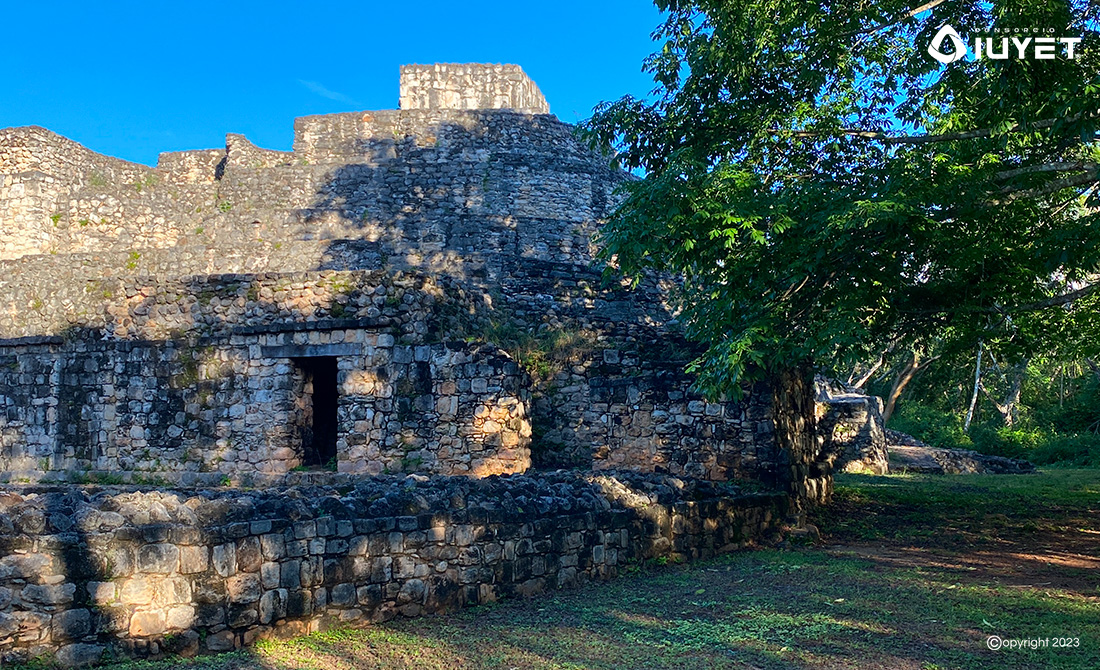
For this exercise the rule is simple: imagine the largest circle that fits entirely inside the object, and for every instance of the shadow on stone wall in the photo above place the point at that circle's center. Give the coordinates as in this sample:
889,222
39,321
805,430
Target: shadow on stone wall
471,199
207,392
121,572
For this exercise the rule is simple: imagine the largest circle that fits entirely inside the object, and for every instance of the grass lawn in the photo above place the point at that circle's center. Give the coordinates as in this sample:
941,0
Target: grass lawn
913,572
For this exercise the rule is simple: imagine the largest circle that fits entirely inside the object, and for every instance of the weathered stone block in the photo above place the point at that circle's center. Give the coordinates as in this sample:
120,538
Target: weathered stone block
194,559
160,558
270,574
225,559
290,574
273,605
49,594
249,554
223,641
79,655
208,616
172,591
413,591
145,624
343,595
243,616
299,603
71,625
273,546
180,617
244,588
32,567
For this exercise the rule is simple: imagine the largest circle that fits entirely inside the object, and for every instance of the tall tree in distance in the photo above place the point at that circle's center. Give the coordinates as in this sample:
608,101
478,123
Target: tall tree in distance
829,191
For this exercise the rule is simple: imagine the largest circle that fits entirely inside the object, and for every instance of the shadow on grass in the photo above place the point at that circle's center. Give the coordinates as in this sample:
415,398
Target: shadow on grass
774,610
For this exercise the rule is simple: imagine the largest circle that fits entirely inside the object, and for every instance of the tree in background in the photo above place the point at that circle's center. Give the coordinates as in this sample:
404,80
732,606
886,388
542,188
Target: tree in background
829,191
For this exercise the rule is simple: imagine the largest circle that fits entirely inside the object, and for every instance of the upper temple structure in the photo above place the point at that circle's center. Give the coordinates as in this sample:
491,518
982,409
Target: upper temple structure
410,290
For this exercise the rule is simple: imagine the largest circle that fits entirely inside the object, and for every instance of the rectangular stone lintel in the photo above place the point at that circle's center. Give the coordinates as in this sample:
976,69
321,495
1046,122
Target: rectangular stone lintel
312,350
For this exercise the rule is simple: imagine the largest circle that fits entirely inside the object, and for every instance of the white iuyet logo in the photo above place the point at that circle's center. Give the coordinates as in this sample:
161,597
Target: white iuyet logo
959,47
1021,47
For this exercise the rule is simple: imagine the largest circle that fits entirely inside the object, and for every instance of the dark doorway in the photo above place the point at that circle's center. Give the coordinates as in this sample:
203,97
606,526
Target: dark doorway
320,429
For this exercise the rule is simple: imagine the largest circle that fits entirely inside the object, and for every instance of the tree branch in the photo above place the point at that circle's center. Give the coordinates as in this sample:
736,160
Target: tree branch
927,139
984,132
1091,176
1050,167
883,26
1058,300
1003,409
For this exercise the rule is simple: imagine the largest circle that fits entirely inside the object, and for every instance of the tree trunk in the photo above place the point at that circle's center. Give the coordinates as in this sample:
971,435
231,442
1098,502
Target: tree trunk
974,396
904,377
1010,408
800,473
859,384
1094,367
1012,399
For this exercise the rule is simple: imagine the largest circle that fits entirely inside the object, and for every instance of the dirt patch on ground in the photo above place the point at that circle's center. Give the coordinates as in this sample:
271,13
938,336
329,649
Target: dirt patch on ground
1013,531
1051,569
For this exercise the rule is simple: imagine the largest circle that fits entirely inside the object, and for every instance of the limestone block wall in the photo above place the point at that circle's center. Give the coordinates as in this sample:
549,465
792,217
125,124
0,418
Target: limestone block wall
52,294
187,268
621,407
87,572
32,148
470,86
25,211
447,409
443,190
853,437
202,166
854,440
61,197
152,308
228,409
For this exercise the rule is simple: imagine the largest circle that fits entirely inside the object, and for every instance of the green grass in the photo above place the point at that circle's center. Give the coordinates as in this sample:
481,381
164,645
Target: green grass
962,511
908,578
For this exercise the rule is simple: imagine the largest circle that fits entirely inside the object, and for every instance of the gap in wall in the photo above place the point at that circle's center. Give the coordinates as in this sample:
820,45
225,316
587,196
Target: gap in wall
322,396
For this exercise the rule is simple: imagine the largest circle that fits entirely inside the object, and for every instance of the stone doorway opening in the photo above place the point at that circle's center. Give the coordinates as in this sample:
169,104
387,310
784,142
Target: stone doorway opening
320,396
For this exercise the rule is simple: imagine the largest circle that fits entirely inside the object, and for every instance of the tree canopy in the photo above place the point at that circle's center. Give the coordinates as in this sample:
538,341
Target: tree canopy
827,189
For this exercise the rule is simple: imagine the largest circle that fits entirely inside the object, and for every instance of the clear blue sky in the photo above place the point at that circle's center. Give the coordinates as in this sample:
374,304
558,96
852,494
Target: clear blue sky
134,79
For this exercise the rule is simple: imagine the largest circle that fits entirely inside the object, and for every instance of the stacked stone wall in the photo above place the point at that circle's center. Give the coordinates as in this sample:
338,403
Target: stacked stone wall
92,572
851,429
460,193
58,196
228,406
470,86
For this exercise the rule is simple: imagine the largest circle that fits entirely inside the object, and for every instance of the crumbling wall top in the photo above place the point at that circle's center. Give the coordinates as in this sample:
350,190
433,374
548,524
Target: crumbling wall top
470,86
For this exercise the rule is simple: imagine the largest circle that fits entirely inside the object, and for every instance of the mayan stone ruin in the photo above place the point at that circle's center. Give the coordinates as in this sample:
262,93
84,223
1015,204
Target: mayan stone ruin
252,392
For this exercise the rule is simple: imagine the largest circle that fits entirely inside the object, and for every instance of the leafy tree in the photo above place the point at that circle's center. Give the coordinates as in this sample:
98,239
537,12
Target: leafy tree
828,190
